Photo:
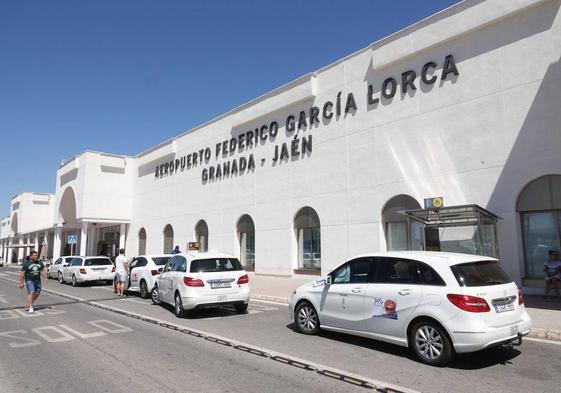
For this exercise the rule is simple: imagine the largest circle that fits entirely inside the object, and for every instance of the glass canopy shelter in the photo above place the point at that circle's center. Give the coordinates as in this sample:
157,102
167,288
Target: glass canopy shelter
468,229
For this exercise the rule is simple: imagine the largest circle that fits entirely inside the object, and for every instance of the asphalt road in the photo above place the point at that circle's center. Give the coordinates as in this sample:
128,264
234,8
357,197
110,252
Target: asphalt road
532,367
72,347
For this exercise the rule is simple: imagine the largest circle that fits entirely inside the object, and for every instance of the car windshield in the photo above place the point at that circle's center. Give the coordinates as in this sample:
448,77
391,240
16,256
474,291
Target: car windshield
480,274
97,262
160,261
215,265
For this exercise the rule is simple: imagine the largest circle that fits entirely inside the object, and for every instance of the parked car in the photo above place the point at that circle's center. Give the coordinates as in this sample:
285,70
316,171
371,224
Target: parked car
202,280
435,303
87,269
143,271
57,265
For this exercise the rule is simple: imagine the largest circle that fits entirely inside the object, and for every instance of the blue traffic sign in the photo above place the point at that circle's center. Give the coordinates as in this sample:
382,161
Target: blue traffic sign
72,239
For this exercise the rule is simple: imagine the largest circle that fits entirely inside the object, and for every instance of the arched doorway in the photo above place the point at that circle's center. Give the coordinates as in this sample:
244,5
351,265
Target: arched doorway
246,237
66,219
308,233
201,234
395,224
14,224
539,205
168,239
142,241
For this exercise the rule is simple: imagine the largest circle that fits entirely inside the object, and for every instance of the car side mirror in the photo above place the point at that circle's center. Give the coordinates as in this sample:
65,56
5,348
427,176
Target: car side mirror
328,280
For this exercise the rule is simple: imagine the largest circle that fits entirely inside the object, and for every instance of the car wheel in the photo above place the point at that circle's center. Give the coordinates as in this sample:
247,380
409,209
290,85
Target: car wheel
178,308
74,282
306,319
430,343
241,308
155,295
144,290
60,279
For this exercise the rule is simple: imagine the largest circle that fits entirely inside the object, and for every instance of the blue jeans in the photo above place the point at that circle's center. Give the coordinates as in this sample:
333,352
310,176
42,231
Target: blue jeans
33,286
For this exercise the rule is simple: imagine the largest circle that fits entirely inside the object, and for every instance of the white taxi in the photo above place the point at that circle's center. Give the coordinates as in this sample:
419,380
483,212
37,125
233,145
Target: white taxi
87,269
202,280
436,303
143,271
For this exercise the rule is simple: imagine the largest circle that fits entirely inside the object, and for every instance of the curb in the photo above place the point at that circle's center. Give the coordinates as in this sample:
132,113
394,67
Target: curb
267,298
545,334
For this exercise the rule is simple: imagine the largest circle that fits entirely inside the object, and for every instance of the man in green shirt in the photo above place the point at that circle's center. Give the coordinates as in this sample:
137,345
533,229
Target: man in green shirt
31,274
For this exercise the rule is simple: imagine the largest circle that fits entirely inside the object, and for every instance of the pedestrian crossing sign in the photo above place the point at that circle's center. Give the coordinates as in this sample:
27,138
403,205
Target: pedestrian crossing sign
72,239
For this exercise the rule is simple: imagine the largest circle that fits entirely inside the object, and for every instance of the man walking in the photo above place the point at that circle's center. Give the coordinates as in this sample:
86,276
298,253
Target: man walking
31,274
121,272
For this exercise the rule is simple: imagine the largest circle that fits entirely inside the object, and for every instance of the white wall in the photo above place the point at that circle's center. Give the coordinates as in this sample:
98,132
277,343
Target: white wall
476,138
34,211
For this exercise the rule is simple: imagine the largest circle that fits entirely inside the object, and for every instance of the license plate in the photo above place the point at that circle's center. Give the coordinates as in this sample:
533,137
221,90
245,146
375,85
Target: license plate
514,330
98,269
216,285
221,298
504,307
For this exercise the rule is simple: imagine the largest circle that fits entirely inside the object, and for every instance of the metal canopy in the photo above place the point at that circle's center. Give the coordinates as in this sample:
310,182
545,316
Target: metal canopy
452,216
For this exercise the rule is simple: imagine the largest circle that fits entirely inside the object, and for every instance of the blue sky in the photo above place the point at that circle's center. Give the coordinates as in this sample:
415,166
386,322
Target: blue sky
120,76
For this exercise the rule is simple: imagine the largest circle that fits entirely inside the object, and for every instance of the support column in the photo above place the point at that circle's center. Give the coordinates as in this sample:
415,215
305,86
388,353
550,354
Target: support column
56,247
46,243
92,249
37,241
21,250
84,239
122,236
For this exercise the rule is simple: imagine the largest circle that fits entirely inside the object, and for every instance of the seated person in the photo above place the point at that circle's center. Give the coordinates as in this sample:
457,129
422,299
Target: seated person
552,269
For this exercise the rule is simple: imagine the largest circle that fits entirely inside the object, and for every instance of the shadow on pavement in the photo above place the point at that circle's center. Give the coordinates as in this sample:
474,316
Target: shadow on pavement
471,361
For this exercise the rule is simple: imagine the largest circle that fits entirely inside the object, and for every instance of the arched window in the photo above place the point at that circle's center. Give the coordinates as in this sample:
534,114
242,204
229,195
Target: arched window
246,236
142,242
168,239
539,205
307,226
201,233
395,224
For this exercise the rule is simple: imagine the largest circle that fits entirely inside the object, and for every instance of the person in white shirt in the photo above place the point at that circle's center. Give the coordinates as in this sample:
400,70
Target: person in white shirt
552,269
121,272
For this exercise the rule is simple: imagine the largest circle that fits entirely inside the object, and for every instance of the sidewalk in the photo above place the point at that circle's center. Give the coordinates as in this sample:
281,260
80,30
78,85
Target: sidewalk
545,314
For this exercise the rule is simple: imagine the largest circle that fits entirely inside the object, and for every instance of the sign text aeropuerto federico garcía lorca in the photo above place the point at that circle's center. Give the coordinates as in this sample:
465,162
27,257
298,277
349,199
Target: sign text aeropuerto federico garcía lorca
298,146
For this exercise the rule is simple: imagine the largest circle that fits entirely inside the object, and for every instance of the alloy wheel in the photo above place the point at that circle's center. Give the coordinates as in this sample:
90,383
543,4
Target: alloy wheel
307,318
428,342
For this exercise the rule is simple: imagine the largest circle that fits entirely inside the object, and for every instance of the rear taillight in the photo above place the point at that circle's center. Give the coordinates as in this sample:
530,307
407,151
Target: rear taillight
113,269
243,279
83,271
469,303
154,272
520,297
193,282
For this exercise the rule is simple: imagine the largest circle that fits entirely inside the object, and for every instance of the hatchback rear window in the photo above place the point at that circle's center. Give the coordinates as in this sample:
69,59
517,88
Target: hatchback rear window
97,262
161,261
215,265
480,274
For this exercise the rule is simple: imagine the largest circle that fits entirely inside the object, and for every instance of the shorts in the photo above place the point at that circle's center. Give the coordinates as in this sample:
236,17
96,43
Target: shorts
121,276
33,287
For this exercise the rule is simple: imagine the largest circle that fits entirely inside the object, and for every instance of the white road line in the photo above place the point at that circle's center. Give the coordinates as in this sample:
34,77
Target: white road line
135,301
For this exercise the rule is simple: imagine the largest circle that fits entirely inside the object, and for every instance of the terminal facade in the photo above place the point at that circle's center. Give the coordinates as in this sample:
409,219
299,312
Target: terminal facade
461,107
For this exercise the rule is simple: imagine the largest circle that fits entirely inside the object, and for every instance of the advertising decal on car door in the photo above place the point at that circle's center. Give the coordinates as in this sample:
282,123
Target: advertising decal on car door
384,308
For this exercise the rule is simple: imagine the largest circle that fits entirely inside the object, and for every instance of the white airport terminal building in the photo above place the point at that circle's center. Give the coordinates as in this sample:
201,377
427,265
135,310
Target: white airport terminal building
443,136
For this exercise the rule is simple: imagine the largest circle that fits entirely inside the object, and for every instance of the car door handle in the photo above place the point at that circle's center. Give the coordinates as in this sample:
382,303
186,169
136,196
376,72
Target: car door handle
356,290
405,292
